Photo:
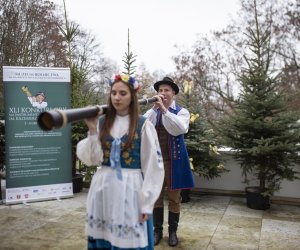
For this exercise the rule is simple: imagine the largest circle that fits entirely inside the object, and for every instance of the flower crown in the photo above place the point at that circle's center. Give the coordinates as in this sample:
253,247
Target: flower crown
129,79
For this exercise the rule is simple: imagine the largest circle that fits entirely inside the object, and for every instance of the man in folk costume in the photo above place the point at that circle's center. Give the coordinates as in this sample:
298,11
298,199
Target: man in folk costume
171,122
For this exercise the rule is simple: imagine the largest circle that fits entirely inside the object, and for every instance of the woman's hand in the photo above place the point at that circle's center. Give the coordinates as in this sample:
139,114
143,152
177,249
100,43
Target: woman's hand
92,122
143,218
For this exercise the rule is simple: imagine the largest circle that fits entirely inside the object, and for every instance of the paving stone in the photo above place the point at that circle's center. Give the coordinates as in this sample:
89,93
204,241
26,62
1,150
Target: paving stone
206,222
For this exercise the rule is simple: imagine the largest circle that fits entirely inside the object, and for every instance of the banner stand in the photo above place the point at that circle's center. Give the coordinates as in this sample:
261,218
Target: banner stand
38,162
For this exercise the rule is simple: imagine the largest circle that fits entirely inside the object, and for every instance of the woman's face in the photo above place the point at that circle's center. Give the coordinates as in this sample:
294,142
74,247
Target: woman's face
120,98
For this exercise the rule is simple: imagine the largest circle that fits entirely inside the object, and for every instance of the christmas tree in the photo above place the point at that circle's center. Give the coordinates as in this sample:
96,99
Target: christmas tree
201,139
129,59
262,129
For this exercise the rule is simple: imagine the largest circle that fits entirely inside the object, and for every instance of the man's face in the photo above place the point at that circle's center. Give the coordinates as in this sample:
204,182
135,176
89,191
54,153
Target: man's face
168,93
40,98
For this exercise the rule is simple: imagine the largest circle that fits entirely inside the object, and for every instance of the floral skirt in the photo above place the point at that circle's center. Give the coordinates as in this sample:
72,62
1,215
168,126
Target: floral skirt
97,244
113,211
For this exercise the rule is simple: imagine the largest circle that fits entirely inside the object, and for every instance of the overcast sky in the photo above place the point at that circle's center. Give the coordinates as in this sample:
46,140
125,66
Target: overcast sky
156,26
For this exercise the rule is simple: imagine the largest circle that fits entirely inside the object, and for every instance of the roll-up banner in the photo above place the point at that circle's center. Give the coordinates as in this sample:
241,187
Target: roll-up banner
38,163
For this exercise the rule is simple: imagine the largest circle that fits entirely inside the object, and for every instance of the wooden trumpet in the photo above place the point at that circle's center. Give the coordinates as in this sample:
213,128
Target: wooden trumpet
58,118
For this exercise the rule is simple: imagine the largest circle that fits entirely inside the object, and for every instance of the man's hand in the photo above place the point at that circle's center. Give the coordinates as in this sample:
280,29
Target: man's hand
159,103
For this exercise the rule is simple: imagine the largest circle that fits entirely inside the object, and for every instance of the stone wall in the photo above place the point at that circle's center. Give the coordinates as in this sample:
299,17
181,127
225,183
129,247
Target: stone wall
232,182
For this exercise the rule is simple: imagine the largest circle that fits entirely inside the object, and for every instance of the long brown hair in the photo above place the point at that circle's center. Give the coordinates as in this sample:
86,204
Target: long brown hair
111,115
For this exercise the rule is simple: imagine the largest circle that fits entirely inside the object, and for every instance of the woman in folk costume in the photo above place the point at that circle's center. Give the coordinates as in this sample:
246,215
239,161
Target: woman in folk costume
130,175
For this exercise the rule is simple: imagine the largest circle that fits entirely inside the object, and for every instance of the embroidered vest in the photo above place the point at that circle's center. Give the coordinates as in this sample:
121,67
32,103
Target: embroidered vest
180,172
163,138
130,158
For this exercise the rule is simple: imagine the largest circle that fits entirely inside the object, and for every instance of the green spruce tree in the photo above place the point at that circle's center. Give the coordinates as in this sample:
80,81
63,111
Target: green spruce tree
262,129
129,60
201,139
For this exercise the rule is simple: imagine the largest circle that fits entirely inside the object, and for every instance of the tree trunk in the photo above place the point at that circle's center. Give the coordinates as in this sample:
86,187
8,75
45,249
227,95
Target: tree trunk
262,183
0,191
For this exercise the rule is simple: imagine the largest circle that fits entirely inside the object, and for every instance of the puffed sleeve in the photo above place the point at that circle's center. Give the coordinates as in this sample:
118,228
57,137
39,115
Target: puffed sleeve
151,116
176,124
89,150
152,167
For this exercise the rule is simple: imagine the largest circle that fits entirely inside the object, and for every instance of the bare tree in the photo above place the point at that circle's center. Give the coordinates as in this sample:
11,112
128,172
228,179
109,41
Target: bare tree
286,30
215,60
29,35
206,67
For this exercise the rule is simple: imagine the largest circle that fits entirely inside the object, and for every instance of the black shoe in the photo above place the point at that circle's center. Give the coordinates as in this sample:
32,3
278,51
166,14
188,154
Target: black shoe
157,237
173,241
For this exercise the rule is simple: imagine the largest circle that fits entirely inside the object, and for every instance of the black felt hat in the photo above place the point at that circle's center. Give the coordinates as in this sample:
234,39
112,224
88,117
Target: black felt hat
168,81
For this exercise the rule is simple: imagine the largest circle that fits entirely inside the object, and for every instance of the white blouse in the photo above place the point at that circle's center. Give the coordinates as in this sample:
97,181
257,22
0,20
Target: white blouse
174,124
89,151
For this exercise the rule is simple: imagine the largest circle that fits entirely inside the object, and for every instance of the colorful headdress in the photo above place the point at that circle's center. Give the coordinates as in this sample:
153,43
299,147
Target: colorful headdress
129,79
